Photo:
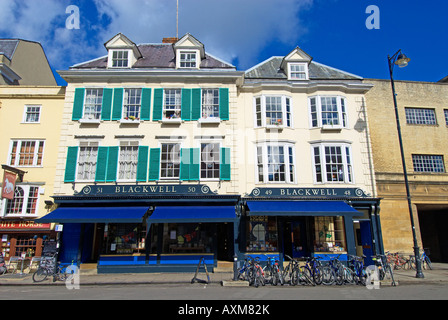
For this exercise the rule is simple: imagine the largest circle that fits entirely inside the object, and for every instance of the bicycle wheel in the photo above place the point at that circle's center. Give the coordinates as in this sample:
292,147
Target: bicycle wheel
328,276
427,263
318,275
305,277
40,275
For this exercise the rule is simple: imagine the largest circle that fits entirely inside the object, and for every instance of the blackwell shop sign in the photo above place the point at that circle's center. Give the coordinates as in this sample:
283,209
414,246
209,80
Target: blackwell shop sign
309,192
140,189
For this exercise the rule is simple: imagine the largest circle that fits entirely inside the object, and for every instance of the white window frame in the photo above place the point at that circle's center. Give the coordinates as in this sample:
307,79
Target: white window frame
90,170
110,60
209,142
97,104
132,162
260,113
180,63
35,153
288,153
347,163
204,117
177,104
291,72
27,112
341,109
174,142
24,205
127,104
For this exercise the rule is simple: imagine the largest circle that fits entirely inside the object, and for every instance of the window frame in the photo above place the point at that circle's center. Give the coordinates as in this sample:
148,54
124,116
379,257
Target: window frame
128,94
305,71
93,165
347,163
37,159
27,113
260,111
177,111
289,154
204,92
419,116
430,158
218,145
315,116
97,105
111,58
25,202
131,162
178,161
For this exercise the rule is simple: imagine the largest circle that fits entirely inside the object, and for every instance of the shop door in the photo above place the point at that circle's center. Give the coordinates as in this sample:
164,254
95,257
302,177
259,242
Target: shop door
298,239
366,241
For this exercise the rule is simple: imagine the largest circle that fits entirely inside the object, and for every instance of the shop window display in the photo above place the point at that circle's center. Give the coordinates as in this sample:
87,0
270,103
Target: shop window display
262,234
124,238
329,234
187,238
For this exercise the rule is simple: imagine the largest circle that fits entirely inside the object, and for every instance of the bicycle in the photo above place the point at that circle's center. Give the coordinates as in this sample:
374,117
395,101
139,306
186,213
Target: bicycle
257,275
313,269
424,260
357,266
335,265
397,260
244,272
47,268
272,271
384,268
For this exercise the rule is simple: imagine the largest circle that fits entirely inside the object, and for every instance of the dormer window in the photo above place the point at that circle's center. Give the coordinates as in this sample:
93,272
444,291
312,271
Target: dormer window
119,59
188,59
298,71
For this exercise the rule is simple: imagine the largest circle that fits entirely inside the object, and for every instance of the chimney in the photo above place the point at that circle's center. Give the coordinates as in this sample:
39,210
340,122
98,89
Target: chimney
170,40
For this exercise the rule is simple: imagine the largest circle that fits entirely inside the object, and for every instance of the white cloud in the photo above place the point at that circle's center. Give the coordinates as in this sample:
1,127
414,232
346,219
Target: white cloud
229,29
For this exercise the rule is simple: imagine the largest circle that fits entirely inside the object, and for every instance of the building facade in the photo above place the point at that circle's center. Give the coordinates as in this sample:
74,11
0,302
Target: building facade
423,112
169,155
30,120
309,187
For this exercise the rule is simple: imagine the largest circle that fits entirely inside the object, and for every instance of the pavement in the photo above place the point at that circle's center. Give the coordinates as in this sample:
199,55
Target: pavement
439,274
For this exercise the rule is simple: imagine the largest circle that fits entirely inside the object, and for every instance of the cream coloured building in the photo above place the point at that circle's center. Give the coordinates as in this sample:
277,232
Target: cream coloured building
30,122
169,154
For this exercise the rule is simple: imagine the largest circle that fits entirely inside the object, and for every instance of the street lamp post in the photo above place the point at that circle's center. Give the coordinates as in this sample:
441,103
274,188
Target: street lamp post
402,61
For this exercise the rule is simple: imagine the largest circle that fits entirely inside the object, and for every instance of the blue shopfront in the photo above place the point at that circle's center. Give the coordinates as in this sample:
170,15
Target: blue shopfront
147,228
306,222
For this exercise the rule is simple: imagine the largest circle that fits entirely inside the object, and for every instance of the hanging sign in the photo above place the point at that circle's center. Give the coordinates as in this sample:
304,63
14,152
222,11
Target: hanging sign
8,185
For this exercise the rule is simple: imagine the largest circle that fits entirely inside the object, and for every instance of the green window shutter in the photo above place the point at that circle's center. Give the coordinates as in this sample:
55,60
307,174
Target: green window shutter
101,164
194,164
142,164
70,165
185,160
118,104
146,104
195,104
112,163
78,104
224,167
224,103
185,110
154,164
158,105
106,107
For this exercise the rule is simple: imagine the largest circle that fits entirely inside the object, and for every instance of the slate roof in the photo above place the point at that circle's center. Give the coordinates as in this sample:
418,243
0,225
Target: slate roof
156,56
8,47
270,69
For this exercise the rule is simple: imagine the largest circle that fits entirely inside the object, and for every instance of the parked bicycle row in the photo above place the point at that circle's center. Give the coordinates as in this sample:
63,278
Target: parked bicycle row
312,271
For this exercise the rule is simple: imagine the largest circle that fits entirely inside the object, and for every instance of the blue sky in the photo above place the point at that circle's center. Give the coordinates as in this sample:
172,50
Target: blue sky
247,32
